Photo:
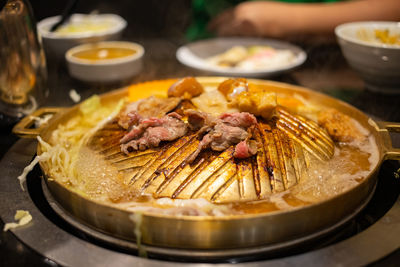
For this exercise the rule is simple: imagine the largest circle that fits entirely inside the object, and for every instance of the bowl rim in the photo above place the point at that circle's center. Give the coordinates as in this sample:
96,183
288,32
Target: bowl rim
69,55
44,24
340,28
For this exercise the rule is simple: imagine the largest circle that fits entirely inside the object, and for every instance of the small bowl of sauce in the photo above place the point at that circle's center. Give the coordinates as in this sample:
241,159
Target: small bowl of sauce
105,61
105,53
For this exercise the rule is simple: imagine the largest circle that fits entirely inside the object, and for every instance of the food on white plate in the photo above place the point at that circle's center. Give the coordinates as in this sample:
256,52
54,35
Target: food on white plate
253,58
170,155
230,58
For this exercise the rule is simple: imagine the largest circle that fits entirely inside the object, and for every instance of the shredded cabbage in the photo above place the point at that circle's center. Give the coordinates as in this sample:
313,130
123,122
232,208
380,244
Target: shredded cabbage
57,155
22,216
61,152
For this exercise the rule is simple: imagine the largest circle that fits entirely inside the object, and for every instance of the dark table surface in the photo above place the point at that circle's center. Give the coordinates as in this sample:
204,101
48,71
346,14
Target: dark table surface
325,71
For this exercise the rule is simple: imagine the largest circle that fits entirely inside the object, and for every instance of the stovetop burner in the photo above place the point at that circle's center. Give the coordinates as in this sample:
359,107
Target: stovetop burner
370,236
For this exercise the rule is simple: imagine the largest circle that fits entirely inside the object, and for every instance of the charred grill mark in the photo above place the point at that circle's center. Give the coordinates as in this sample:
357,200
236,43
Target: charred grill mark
127,173
308,142
213,166
274,163
223,188
155,175
280,160
314,138
144,168
270,171
181,149
239,178
256,176
286,147
161,157
261,172
300,162
288,156
172,162
202,165
207,182
267,138
173,174
308,124
246,185
169,178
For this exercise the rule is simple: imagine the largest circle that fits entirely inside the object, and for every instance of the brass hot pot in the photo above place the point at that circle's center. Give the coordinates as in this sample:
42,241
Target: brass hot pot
201,234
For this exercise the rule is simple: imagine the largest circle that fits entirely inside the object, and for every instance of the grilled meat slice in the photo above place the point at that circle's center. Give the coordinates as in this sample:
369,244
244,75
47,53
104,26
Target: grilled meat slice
200,120
151,131
239,119
227,130
129,115
245,149
223,136
146,108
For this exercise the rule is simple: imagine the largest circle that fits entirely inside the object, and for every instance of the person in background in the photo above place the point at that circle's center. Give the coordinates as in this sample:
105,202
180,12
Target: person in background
284,18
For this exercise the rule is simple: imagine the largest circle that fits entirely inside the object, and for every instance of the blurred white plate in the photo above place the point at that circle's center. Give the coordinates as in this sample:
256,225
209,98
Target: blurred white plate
195,54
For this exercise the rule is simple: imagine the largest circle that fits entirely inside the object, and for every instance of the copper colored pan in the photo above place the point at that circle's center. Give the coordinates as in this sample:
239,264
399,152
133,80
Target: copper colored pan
213,233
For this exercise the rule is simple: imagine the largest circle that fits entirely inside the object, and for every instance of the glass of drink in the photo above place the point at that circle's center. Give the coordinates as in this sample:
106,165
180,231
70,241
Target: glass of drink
23,72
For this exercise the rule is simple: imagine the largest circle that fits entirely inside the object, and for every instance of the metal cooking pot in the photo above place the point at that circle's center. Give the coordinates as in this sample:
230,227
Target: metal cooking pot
207,235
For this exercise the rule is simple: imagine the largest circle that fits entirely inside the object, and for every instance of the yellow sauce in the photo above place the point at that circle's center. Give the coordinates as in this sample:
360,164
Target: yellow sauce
105,53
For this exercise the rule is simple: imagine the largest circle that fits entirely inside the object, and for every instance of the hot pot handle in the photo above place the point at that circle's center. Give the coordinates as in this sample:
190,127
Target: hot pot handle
25,128
384,129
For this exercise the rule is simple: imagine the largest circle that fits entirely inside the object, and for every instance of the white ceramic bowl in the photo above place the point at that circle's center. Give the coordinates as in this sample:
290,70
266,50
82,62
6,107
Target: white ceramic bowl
105,70
377,63
57,44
